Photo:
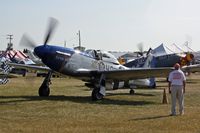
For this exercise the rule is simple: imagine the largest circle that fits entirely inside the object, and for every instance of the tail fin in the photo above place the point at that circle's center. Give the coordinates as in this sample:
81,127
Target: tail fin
149,61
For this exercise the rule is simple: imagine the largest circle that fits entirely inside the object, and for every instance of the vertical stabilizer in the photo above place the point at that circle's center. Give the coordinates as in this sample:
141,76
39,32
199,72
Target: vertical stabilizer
150,62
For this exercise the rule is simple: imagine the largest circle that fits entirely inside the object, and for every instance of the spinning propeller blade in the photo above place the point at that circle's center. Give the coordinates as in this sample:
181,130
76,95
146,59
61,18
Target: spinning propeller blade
50,30
29,43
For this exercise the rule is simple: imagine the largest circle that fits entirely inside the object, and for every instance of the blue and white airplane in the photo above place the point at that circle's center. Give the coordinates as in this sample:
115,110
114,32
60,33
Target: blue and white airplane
96,68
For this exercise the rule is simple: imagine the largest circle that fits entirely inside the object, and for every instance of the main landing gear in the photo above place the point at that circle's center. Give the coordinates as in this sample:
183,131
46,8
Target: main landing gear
99,90
44,89
132,92
96,95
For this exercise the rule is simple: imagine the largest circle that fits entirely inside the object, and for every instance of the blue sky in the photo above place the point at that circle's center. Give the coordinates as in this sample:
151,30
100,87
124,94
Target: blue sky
117,25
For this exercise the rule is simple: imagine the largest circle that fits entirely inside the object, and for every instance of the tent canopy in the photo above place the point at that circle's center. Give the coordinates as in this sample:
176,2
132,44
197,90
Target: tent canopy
162,50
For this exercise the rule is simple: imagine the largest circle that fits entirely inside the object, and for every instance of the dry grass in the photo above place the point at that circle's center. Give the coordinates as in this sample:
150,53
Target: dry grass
70,109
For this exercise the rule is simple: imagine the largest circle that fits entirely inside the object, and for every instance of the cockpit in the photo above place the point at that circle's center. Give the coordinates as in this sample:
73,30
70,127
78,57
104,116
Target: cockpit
102,55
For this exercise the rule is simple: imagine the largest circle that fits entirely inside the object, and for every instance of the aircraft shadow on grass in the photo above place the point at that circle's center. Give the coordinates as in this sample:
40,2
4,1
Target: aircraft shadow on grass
150,118
126,94
13,100
159,86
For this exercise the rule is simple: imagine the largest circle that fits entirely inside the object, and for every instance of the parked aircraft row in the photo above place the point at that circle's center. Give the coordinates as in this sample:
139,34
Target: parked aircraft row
96,68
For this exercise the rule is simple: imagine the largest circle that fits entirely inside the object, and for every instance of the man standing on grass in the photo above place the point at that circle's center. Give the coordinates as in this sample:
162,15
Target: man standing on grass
177,89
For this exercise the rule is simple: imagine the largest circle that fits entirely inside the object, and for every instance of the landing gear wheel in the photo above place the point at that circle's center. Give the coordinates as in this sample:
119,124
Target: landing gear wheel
96,95
154,85
132,92
44,91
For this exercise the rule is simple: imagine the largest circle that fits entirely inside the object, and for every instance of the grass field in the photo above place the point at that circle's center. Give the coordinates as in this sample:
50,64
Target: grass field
70,109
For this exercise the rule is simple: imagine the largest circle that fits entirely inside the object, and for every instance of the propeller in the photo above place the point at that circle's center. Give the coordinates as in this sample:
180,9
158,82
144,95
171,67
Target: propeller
50,30
26,41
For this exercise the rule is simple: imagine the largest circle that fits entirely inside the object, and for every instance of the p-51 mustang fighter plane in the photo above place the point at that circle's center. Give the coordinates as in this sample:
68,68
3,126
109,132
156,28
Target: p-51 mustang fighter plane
94,67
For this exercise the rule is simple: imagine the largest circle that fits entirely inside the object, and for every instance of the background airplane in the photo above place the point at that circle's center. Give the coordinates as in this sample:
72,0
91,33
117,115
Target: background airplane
162,58
94,69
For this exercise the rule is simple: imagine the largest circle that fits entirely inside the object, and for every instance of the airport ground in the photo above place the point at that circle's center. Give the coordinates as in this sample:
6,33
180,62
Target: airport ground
70,109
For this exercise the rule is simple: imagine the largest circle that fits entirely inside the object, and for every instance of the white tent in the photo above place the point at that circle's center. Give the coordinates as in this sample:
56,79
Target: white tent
162,50
187,48
181,49
177,49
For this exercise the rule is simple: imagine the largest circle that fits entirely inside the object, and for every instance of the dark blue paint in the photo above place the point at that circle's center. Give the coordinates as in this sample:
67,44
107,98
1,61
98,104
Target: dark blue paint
48,55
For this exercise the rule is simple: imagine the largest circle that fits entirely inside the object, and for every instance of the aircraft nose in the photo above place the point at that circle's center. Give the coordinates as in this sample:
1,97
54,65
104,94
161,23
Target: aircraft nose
39,51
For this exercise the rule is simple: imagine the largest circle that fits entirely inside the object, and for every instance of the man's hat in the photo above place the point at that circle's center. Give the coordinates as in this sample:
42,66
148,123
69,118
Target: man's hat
176,66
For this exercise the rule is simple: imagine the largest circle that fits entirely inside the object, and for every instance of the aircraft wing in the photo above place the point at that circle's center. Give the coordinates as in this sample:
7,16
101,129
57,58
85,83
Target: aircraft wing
129,74
121,75
140,73
29,67
136,73
191,68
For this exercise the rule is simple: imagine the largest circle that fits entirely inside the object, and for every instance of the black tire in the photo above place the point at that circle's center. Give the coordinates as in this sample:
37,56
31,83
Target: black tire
132,92
153,86
44,91
96,95
24,73
116,85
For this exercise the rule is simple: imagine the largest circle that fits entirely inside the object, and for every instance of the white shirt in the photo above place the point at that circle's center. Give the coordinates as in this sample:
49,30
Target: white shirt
177,77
